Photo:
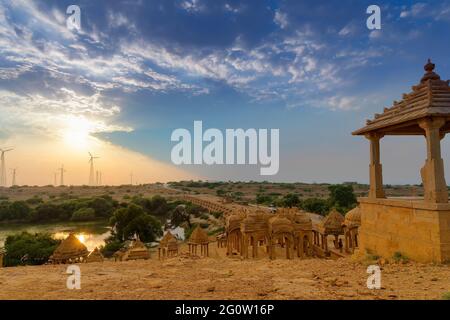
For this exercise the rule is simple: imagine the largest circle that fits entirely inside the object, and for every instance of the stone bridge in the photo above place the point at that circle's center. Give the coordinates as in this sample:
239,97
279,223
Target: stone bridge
209,205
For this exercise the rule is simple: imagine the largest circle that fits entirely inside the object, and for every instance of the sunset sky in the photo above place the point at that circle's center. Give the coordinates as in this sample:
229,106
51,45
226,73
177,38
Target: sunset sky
137,70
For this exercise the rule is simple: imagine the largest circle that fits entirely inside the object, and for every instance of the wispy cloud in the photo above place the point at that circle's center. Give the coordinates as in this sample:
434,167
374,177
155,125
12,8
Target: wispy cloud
281,19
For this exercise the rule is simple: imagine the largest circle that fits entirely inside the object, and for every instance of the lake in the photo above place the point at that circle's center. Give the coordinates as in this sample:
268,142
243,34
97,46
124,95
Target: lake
92,234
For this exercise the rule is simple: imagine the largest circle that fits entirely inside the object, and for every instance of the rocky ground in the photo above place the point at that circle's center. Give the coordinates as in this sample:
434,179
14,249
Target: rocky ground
219,277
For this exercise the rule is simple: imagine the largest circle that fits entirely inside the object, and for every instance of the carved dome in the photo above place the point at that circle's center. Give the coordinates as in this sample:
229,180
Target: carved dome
280,225
332,223
353,217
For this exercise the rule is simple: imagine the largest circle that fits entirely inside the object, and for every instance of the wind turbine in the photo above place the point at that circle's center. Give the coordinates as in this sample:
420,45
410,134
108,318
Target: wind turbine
61,172
14,177
131,177
55,174
3,167
91,170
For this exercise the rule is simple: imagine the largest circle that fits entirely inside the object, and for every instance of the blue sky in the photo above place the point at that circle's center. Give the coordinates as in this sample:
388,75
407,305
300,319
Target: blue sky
139,69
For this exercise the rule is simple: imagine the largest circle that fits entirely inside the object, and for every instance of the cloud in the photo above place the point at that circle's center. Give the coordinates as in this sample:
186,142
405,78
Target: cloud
375,34
51,115
275,68
281,19
342,103
414,11
229,8
349,29
192,5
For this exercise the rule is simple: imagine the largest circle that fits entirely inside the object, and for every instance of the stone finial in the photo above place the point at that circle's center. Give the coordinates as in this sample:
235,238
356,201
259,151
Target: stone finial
429,72
429,67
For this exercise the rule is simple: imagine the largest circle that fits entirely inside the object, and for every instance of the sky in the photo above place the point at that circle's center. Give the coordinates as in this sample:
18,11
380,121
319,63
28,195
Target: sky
138,70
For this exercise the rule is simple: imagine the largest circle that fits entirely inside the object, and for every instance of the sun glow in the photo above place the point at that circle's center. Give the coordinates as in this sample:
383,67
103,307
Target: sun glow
77,131
82,238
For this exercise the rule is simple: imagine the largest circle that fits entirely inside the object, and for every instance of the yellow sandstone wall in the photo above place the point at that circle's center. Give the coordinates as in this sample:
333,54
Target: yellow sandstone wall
417,230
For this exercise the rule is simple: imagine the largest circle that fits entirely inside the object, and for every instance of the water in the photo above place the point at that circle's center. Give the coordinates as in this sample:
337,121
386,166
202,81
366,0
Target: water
92,234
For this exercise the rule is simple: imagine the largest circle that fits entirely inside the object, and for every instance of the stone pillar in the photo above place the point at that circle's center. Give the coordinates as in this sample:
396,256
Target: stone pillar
435,187
300,246
376,174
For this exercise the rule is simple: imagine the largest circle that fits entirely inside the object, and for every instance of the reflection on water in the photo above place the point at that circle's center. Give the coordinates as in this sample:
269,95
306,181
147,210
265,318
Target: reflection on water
91,241
92,234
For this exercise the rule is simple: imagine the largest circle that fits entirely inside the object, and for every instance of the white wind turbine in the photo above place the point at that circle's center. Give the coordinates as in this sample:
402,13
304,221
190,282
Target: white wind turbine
61,177
14,171
3,167
91,170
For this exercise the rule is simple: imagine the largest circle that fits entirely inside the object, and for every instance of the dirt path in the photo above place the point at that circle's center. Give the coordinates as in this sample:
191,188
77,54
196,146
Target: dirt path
219,277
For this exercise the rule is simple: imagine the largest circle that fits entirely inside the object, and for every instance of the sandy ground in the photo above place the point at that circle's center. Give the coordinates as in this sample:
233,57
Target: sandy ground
219,277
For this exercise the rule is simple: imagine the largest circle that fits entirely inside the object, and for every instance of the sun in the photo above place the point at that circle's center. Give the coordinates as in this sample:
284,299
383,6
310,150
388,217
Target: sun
81,237
76,132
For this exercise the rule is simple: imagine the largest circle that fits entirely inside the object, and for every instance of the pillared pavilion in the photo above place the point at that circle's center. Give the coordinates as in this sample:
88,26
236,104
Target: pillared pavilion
417,228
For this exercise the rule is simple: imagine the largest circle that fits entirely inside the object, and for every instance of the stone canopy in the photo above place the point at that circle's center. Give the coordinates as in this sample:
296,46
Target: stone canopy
430,98
425,111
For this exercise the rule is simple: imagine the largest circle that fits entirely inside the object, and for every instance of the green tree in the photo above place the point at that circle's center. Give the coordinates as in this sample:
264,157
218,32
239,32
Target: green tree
83,214
48,212
179,216
134,220
4,211
19,210
264,199
156,206
291,200
316,205
159,206
342,197
103,206
27,248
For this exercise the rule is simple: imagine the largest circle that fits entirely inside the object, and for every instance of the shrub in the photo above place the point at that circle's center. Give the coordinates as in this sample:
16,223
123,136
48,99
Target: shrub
204,216
19,210
217,214
446,296
110,247
399,257
29,249
35,200
48,212
264,199
83,214
316,205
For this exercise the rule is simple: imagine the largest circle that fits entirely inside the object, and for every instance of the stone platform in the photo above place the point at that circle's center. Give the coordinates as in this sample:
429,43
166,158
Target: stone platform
416,229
